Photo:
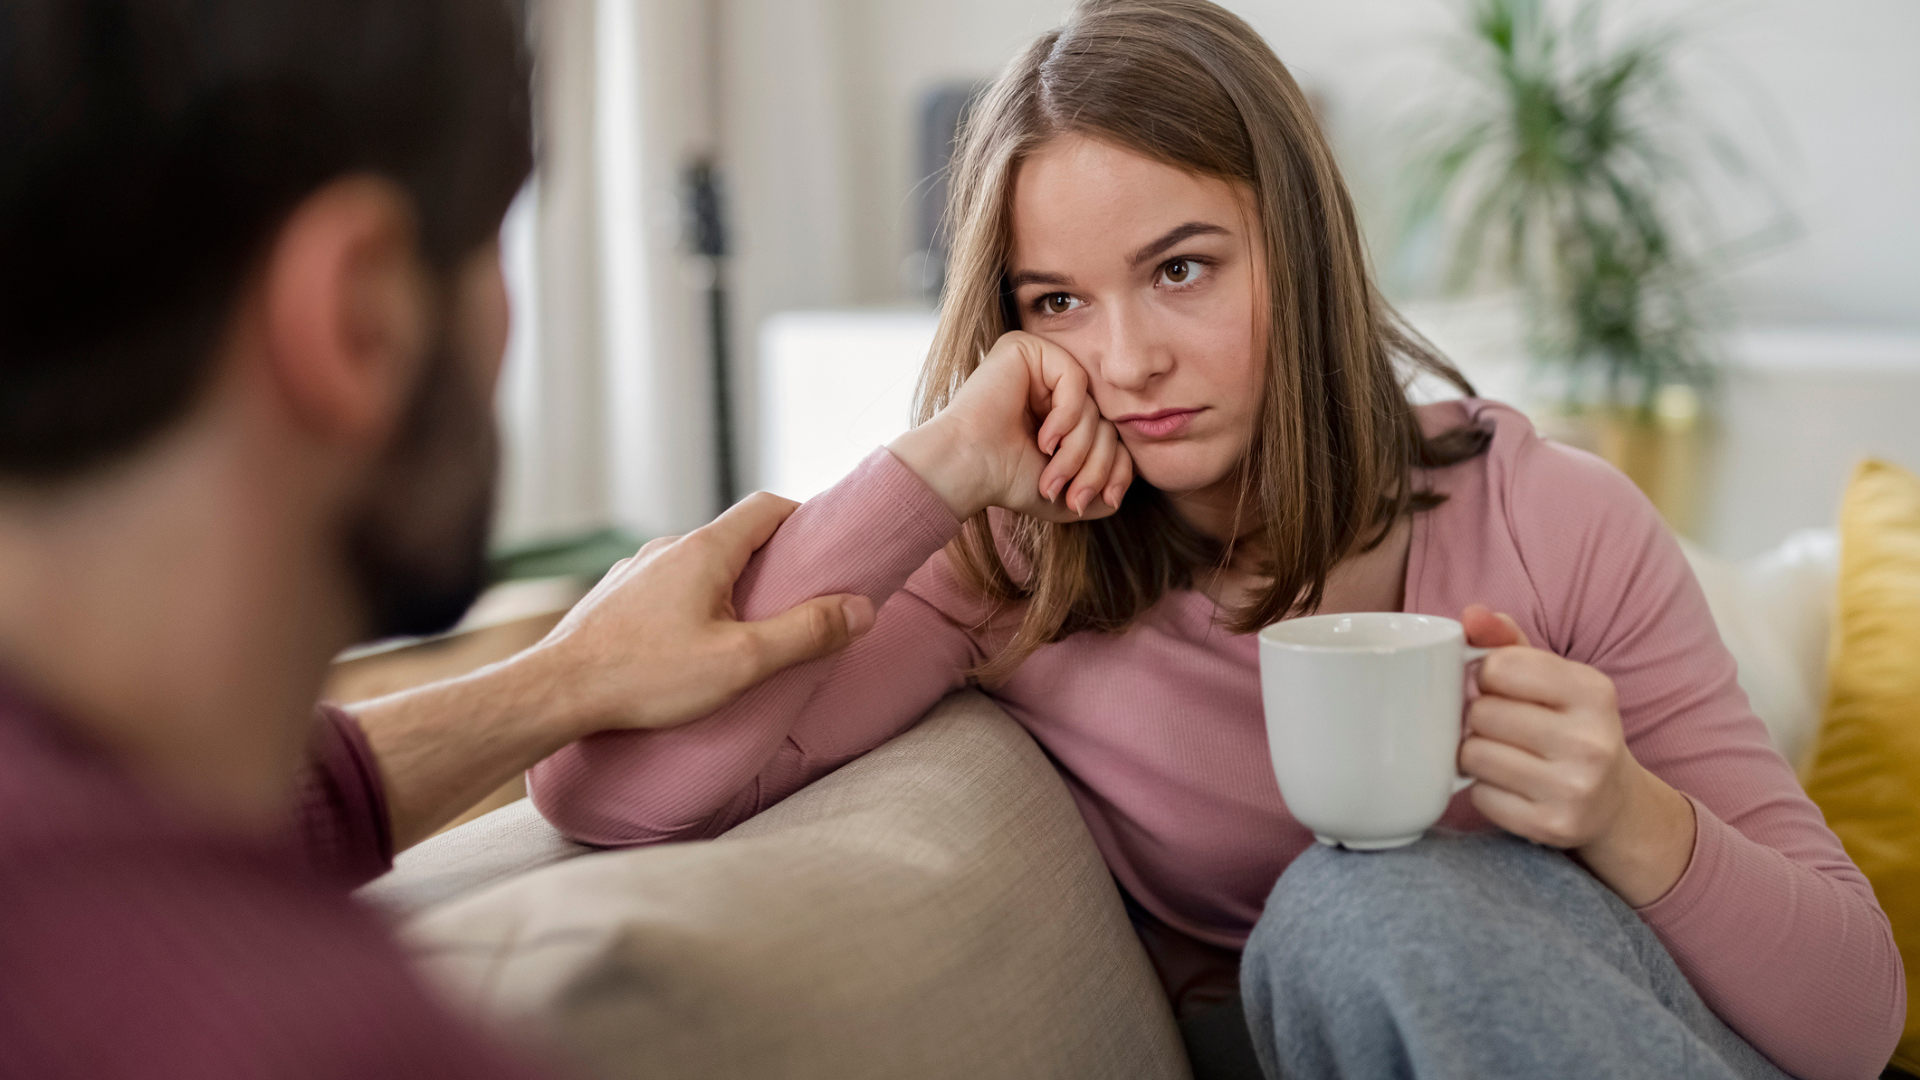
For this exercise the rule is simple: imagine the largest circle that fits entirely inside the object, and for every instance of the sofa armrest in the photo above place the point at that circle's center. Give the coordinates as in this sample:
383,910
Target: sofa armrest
505,843
935,909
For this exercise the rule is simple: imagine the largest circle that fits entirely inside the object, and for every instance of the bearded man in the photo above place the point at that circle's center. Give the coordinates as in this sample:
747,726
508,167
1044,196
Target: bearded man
251,318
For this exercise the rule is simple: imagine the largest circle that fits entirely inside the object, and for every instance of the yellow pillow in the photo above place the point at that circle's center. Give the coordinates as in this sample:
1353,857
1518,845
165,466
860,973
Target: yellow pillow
1865,772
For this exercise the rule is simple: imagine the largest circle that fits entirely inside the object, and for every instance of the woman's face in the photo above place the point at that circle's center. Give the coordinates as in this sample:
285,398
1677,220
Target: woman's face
1151,278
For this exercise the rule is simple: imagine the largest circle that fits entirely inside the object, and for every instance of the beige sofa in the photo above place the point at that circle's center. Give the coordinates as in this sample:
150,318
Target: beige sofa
934,909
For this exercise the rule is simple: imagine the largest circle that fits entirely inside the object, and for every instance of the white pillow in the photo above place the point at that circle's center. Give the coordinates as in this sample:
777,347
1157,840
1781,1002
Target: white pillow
1774,612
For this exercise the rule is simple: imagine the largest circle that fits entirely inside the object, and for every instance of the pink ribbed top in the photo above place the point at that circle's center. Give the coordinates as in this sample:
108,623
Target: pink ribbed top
1159,734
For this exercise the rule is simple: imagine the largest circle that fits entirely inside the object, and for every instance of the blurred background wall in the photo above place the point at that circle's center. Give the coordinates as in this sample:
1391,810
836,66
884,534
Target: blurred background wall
812,110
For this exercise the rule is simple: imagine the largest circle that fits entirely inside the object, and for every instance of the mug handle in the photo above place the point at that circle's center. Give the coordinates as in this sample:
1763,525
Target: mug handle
1471,655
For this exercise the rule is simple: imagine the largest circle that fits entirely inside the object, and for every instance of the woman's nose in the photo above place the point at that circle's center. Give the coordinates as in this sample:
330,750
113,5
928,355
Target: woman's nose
1133,355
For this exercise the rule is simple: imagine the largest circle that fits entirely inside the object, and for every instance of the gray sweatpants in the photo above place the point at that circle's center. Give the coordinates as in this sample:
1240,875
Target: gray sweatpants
1473,957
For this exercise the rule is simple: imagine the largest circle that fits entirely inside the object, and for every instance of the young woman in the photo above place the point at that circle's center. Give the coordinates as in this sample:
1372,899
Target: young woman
1166,407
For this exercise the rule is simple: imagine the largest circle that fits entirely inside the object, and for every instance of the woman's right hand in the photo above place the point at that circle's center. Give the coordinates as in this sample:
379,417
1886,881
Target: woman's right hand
1023,433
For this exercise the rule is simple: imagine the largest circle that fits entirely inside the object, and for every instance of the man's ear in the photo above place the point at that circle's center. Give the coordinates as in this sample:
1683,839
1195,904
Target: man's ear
347,309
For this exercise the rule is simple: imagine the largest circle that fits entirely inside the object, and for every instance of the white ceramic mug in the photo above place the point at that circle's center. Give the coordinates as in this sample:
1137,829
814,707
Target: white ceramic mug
1364,719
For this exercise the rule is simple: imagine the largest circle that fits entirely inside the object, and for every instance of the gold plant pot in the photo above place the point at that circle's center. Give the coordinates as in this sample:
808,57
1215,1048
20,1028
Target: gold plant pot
1666,451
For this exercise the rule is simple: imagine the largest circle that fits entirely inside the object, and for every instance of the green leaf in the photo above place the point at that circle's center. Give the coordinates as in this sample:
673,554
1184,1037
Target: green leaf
1566,172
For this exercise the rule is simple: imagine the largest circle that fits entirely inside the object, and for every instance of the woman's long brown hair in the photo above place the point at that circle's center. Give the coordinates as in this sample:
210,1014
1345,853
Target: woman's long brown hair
1335,440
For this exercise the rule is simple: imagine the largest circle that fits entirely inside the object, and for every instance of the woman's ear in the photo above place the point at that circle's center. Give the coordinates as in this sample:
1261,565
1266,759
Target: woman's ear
348,310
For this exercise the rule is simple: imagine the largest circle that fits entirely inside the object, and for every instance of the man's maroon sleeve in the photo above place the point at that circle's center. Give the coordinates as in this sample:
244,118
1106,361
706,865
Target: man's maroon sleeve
342,819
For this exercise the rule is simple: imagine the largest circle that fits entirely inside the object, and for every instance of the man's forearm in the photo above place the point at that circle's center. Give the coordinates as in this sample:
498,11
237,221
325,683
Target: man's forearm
654,644
445,746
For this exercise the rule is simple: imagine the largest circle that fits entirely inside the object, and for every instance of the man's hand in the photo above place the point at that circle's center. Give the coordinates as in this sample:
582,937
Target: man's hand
653,645
656,643
1548,748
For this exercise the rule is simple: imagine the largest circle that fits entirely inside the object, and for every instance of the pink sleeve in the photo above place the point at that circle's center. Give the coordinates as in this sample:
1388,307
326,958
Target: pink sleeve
868,534
1771,922
344,832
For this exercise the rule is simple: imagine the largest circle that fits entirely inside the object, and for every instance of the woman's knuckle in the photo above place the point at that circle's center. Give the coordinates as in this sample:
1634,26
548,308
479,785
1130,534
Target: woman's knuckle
1472,754
822,626
1561,826
1592,748
1497,666
1583,786
763,501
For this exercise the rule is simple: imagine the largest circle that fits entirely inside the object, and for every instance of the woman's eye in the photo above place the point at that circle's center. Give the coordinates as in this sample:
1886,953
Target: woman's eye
1058,303
1180,271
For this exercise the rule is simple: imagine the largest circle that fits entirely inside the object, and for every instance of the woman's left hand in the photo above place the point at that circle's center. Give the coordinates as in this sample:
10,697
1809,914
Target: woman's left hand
1546,744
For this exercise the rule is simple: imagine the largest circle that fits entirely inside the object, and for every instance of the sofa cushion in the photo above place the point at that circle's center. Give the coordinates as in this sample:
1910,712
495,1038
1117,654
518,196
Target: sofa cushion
934,909
493,847
1866,766
1773,612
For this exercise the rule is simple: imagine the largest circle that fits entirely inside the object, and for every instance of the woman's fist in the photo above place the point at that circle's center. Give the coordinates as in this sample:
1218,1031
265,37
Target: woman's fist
1023,434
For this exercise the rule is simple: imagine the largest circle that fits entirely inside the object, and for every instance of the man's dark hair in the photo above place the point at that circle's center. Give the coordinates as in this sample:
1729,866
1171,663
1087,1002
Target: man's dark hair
150,150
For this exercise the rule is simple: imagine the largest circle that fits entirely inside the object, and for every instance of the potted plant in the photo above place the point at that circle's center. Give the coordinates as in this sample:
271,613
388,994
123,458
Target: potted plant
1567,169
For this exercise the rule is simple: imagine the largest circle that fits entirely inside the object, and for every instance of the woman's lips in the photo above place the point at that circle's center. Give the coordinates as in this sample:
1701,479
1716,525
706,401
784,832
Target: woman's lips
1164,424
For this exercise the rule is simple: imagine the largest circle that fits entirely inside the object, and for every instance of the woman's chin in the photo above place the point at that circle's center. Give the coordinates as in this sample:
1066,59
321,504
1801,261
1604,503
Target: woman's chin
1178,473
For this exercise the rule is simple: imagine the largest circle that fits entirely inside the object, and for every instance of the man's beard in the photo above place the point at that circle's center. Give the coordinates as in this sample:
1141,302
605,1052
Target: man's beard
417,548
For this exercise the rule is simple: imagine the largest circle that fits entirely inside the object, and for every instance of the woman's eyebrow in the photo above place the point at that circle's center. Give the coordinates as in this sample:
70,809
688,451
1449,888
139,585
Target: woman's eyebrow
1152,251
1037,277
1174,235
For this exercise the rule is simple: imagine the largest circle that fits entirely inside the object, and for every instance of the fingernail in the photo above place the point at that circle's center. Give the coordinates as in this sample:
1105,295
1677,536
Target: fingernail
1053,489
859,613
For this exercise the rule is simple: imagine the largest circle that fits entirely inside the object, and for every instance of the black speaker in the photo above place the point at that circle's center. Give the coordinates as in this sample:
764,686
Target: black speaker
943,111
